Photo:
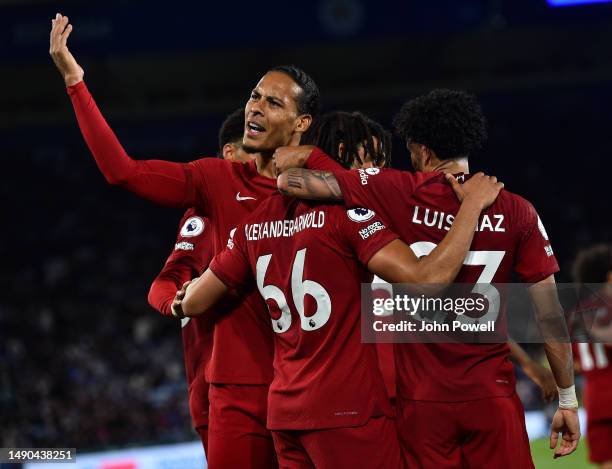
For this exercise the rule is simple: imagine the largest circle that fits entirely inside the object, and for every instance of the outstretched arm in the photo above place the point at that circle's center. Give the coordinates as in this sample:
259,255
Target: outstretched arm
228,272
550,318
396,263
199,296
163,182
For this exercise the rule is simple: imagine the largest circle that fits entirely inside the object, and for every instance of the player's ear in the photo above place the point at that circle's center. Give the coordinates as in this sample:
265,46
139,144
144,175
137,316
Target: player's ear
303,122
425,155
429,157
341,148
228,151
419,157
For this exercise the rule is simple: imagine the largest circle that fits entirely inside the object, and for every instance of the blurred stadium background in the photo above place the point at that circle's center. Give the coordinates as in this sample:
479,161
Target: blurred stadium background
84,361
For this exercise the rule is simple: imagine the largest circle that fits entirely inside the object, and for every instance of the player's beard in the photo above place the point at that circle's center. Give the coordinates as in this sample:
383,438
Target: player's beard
250,149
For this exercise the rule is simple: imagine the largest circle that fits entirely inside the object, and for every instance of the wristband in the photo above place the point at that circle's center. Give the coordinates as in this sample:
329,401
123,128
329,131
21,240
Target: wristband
567,398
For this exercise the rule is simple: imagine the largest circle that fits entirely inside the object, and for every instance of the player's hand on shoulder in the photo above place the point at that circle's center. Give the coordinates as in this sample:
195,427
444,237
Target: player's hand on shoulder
566,423
479,189
65,62
291,157
177,303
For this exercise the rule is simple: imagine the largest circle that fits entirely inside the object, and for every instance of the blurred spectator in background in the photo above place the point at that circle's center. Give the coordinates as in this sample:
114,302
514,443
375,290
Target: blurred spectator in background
593,325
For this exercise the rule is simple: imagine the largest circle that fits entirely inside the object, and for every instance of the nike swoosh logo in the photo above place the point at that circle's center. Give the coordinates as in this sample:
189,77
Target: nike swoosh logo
238,198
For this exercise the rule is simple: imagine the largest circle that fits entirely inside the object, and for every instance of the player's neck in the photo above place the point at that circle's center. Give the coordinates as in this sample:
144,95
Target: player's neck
453,166
265,165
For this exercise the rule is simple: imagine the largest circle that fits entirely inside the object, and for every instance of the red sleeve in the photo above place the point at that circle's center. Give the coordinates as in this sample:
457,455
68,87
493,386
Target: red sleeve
162,182
374,188
365,232
166,284
534,256
232,265
321,161
191,255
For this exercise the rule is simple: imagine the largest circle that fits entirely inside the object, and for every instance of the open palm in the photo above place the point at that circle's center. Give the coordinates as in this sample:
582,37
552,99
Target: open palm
65,62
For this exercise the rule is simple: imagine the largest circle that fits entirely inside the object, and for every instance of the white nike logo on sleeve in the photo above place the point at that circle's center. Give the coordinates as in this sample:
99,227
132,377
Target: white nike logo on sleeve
239,199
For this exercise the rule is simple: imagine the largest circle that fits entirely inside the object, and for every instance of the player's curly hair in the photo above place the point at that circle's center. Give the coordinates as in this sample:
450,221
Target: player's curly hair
308,101
231,130
593,264
448,122
351,129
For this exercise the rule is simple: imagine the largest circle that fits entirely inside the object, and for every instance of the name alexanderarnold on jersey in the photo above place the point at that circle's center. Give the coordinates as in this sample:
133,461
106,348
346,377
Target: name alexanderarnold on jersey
284,228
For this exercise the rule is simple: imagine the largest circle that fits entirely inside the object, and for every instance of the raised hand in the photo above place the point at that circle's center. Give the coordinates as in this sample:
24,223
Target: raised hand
480,189
65,62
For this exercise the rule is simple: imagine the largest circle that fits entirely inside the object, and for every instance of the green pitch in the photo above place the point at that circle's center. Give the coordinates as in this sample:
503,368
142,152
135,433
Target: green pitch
542,457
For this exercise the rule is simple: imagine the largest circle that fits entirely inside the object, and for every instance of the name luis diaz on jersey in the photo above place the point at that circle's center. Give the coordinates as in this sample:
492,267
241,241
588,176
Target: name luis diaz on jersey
284,228
444,221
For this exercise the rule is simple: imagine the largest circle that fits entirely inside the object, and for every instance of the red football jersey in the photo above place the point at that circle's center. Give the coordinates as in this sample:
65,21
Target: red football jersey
191,255
510,237
308,261
596,364
243,345
223,191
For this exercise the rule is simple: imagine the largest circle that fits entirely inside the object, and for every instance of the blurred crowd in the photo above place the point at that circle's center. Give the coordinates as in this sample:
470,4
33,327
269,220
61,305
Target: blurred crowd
84,361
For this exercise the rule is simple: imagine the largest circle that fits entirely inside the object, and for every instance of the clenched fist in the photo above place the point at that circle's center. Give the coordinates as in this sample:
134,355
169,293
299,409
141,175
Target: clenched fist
291,157
65,62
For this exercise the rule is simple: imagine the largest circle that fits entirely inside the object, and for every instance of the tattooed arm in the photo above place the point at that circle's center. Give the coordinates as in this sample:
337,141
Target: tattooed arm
309,184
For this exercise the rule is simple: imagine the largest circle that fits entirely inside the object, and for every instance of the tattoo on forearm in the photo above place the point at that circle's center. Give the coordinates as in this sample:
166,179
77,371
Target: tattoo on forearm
295,181
329,181
319,185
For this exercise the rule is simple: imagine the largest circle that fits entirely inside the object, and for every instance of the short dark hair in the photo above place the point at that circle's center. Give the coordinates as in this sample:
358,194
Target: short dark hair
351,129
593,264
232,129
448,122
308,101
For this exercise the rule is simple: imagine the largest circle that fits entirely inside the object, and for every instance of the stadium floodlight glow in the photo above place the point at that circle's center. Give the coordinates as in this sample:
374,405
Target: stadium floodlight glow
567,3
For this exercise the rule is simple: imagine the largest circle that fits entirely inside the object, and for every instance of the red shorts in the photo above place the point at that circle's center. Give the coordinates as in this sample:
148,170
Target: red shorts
199,409
203,432
599,437
486,433
386,363
373,445
237,433
198,402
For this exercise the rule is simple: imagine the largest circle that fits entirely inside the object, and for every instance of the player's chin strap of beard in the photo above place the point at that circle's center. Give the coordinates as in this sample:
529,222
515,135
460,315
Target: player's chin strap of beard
567,398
